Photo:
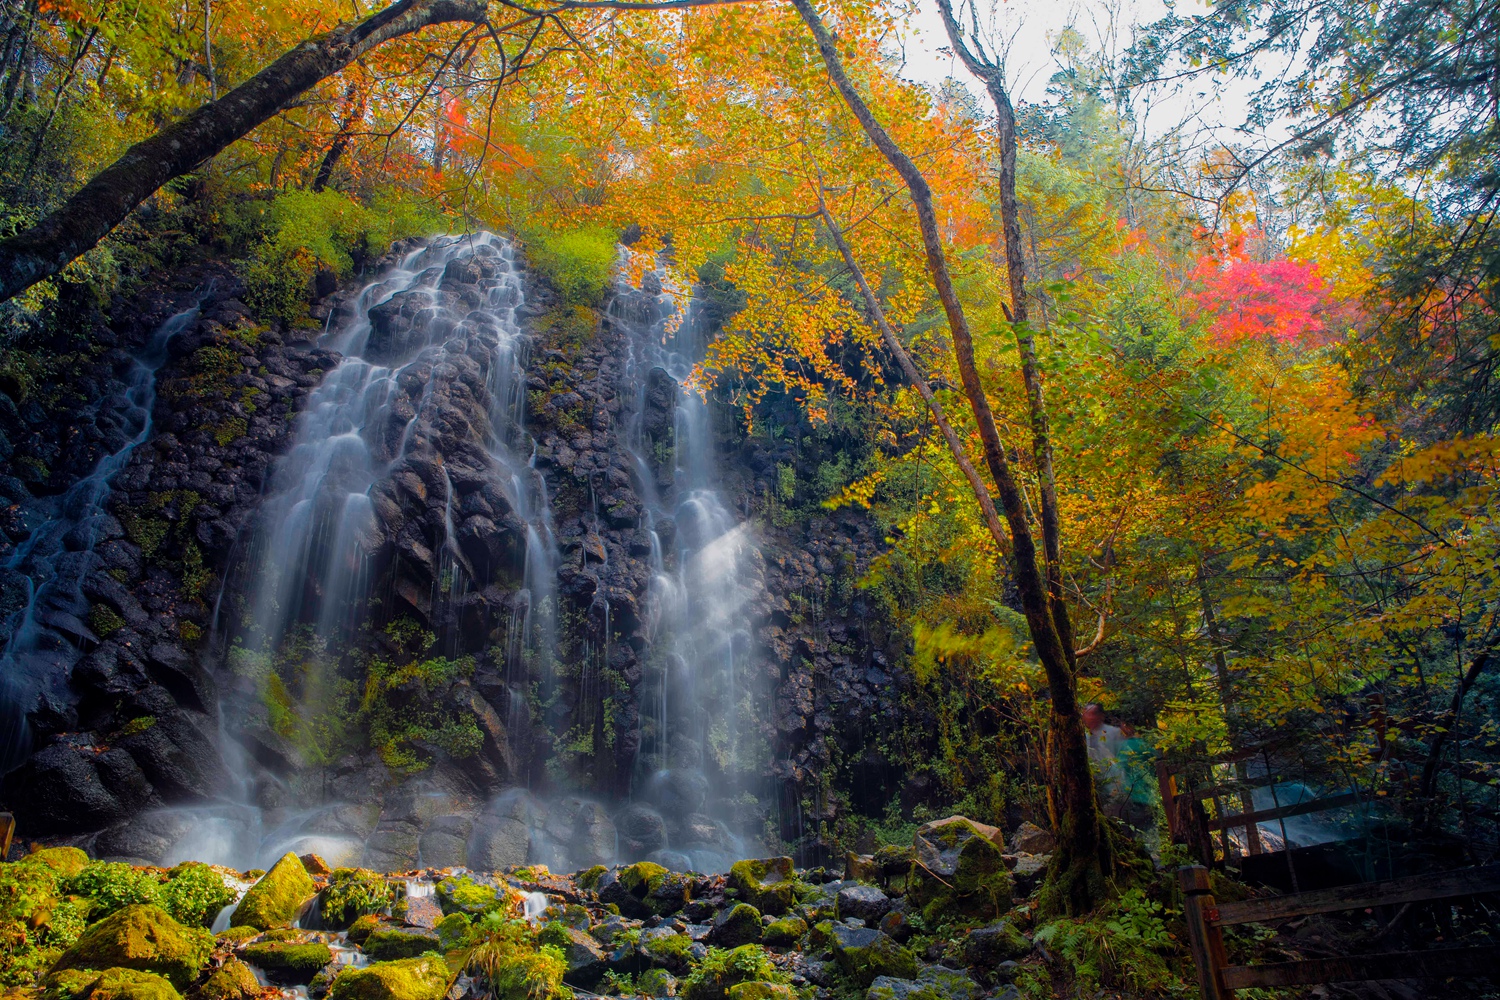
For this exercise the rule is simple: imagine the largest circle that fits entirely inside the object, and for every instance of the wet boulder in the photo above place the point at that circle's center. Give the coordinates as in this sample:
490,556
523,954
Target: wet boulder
737,925
145,938
112,984
765,883
288,963
864,954
389,943
587,961
424,978
231,981
958,872
277,898
862,902
72,785
1032,839
988,947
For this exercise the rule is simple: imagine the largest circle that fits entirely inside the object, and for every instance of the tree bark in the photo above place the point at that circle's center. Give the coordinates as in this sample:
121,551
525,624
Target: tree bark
894,345
1085,857
993,78
86,218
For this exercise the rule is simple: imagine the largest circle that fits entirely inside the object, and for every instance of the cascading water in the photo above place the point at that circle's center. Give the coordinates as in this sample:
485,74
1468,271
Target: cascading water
402,463
43,638
699,751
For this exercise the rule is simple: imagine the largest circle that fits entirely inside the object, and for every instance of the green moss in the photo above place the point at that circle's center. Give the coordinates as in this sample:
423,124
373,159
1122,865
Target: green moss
672,950
464,895
112,984
740,924
979,888
276,899
288,962
142,937
237,935
138,725
364,927
655,983
65,861
105,620
588,879
424,978
720,970
194,894
786,931
111,885
231,981
351,893
864,954
642,878
767,884
391,943
453,930
761,991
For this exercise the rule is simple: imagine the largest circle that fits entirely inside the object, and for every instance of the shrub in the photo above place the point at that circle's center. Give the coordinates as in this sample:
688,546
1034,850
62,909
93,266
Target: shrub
352,893
194,894
578,263
509,961
113,885
722,969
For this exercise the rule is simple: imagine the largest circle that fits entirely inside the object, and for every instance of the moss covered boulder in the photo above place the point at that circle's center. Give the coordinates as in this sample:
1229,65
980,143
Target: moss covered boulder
959,872
932,983
737,925
364,927
424,978
277,898
761,991
145,938
864,953
1001,941
586,960
468,895
784,932
350,894
65,861
111,984
288,963
388,943
231,981
766,884
720,971
643,889
667,948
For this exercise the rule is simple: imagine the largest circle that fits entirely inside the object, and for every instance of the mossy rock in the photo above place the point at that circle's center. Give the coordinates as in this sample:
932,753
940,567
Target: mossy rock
767,884
424,978
820,936
277,898
453,930
784,932
666,948
364,927
231,981
145,938
863,953
351,893
643,889
389,943
465,895
761,991
586,960
111,984
959,874
65,861
588,879
739,924
656,983
288,963
237,935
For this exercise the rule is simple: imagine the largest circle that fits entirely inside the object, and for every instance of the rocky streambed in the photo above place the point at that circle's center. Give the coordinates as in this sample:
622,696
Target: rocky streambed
944,917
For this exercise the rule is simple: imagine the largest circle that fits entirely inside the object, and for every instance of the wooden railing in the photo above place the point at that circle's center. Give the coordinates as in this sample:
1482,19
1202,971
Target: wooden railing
1218,979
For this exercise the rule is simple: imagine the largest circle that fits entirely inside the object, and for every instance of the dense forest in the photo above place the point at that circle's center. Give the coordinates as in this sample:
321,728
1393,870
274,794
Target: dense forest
661,498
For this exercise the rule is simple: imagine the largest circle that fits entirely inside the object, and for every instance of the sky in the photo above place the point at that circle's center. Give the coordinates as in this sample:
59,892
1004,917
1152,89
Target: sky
1031,27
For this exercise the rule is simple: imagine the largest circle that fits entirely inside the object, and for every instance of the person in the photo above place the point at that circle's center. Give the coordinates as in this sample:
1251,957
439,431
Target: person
1121,762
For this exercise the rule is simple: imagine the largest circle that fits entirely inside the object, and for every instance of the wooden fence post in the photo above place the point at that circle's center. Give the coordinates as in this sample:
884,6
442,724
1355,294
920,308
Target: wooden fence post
7,831
1205,938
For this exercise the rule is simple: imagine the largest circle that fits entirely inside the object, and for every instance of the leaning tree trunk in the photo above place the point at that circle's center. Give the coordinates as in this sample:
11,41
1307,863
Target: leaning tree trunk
103,203
1084,856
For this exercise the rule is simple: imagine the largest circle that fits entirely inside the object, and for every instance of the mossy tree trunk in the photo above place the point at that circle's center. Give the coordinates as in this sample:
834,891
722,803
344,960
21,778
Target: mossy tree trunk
1085,857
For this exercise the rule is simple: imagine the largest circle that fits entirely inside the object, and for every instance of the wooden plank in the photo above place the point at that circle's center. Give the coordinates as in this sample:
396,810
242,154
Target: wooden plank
1437,964
7,831
1267,815
1204,938
1416,889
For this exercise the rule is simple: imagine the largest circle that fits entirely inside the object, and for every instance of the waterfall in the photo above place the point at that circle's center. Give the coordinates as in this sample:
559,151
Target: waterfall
703,581
44,636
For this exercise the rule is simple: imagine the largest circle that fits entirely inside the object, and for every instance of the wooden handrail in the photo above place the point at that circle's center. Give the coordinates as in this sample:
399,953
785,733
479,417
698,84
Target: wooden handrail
1415,889
1299,809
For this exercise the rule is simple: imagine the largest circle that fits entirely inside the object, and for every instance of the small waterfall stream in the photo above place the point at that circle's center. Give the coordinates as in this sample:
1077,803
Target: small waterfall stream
43,638
701,581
